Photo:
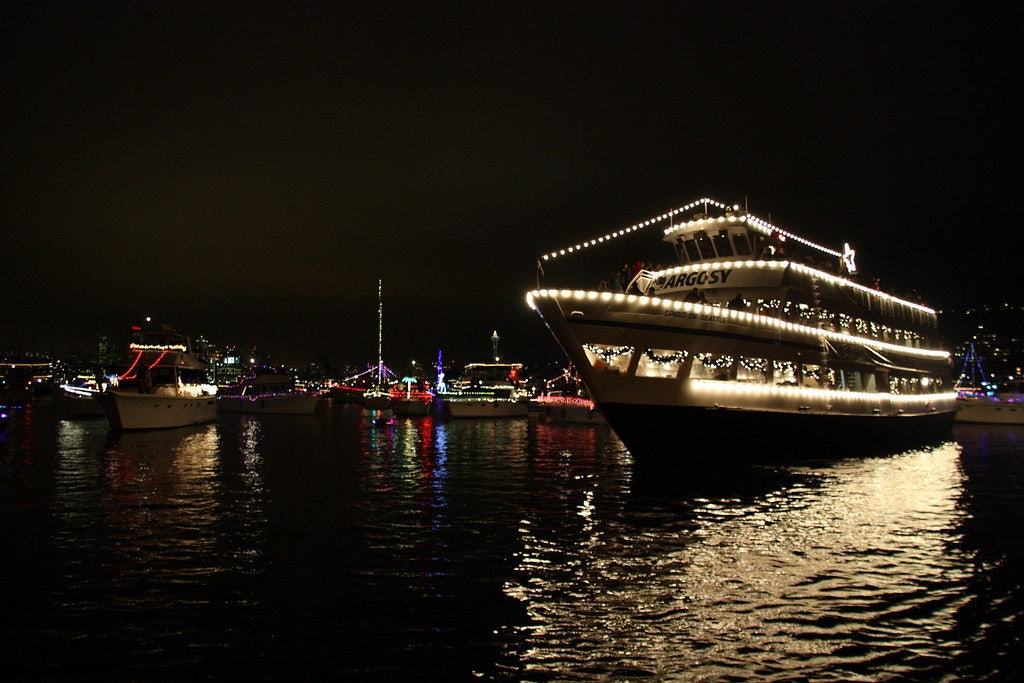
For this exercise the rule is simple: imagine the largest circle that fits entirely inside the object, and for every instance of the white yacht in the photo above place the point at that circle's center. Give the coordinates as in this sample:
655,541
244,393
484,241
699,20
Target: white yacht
266,393
487,390
162,384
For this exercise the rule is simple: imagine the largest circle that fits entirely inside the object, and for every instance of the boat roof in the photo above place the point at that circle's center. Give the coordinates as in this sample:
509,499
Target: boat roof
700,211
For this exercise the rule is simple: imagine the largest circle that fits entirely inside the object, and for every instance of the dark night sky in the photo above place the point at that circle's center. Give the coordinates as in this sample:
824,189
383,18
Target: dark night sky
248,170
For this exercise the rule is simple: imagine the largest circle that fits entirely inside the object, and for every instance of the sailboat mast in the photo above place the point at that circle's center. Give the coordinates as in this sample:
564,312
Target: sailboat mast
380,333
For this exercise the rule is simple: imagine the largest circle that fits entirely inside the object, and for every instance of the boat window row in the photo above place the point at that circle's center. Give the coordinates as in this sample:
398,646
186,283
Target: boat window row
701,245
725,243
806,314
680,363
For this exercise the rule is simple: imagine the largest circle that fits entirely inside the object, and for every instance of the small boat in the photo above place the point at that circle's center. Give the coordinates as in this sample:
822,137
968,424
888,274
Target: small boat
81,398
411,396
739,337
25,382
162,383
1004,405
266,393
487,390
983,402
566,399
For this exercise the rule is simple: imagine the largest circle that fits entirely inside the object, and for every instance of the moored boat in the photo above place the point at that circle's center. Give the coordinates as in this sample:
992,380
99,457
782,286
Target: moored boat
411,396
266,392
487,390
1004,405
81,398
162,384
757,341
565,399
981,400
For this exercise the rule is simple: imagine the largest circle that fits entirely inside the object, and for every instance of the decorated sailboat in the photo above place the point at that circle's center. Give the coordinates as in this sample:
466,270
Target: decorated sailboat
982,401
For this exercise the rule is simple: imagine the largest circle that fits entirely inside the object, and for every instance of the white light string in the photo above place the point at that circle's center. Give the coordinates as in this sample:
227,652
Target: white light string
758,223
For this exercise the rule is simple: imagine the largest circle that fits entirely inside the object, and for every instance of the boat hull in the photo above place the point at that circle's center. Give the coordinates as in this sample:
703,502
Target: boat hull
126,411
987,411
477,408
414,407
648,393
574,412
294,404
83,406
708,436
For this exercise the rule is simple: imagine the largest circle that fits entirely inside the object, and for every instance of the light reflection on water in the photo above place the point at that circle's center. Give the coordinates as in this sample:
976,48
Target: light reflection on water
852,568
512,550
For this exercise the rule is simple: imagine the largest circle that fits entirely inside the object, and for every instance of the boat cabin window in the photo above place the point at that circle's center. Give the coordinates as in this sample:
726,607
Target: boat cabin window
722,245
711,366
691,249
784,372
661,363
193,376
752,370
163,375
811,376
739,240
607,358
707,249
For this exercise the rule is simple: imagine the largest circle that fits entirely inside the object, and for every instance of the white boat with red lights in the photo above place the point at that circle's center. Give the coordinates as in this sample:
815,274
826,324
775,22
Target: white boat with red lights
755,341
163,384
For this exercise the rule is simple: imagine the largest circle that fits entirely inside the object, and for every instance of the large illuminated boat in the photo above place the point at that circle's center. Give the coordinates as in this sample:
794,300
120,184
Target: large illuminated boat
162,384
754,341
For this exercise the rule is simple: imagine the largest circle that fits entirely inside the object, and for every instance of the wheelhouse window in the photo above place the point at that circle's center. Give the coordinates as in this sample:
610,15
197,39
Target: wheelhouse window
692,253
741,243
661,363
707,249
163,376
608,358
722,245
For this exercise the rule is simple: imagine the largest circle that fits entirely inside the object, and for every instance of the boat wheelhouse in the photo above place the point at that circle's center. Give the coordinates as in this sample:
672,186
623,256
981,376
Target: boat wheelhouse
755,338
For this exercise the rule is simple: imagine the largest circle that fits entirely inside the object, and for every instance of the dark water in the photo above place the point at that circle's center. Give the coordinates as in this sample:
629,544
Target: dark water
324,547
